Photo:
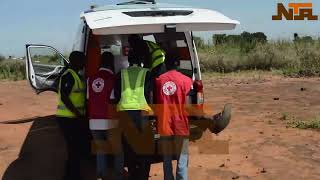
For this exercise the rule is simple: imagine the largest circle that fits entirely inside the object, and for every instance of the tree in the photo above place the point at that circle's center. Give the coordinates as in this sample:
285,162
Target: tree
233,39
247,42
219,39
302,39
296,37
307,39
259,37
246,36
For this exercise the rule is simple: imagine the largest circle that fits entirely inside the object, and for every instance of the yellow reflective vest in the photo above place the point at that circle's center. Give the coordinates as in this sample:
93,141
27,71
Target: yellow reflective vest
158,55
132,90
77,96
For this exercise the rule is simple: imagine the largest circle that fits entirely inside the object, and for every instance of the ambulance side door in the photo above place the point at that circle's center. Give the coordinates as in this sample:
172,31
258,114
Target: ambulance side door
44,67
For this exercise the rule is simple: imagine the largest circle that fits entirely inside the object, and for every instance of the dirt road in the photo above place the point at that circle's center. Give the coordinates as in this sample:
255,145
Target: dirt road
260,145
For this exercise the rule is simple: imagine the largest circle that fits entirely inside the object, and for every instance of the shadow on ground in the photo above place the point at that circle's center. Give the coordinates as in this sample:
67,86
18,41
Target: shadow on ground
42,155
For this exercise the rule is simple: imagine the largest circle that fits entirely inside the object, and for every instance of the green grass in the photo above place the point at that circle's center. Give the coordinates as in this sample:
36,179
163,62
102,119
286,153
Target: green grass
12,70
311,124
285,116
293,122
288,58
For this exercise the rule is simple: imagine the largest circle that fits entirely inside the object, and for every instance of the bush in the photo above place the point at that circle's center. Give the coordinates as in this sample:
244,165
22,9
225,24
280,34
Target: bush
12,70
309,57
300,58
311,124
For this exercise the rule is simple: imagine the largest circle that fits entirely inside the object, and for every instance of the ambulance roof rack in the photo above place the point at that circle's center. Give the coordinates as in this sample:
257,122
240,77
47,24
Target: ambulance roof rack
138,2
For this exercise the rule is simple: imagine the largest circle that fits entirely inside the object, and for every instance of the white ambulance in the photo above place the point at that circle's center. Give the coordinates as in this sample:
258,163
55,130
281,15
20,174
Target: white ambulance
107,28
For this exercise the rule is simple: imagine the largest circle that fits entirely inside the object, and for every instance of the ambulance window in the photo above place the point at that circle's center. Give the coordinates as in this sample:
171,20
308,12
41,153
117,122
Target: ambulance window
177,45
158,13
181,43
46,57
185,64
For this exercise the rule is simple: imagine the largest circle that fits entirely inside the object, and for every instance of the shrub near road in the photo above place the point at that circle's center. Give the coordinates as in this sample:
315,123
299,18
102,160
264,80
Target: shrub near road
12,70
297,58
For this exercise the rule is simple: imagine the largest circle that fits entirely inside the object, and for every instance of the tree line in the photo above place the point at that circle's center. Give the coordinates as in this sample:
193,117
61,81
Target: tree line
245,39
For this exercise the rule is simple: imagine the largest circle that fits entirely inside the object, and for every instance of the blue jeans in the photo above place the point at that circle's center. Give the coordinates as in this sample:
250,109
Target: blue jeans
105,167
176,147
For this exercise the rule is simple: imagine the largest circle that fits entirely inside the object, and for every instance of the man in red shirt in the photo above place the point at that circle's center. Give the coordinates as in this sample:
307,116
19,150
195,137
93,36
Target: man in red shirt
172,88
102,120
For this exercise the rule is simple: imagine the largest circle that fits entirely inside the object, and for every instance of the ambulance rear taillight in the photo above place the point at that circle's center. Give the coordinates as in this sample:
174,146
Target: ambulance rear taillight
198,87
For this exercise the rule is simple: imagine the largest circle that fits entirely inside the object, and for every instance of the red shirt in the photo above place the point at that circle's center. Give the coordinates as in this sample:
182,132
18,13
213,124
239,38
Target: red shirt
171,90
100,91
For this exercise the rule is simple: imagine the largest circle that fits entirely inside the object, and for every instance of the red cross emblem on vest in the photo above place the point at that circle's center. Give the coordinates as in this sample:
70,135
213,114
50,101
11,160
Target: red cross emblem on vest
98,85
169,88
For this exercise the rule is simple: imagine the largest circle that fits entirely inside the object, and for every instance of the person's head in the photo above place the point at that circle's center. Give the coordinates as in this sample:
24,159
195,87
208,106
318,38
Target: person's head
172,61
133,58
107,60
138,45
77,60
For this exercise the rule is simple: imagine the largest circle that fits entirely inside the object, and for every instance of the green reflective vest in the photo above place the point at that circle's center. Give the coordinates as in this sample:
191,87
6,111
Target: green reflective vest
158,55
132,89
77,96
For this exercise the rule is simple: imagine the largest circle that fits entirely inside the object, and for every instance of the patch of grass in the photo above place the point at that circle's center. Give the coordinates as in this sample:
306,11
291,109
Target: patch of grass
293,59
311,124
12,70
293,122
285,116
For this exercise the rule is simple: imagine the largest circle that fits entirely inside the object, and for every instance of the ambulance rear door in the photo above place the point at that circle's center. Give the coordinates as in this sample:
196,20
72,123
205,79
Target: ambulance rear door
155,19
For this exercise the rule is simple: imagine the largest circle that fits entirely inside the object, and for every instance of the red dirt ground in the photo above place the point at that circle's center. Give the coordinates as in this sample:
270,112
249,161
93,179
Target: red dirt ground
260,145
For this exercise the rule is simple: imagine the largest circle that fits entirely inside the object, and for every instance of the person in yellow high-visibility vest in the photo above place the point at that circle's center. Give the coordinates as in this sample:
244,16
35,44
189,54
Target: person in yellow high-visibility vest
133,94
152,55
70,112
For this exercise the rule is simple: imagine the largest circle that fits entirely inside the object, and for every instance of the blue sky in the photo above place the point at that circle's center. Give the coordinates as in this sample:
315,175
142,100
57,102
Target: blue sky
54,22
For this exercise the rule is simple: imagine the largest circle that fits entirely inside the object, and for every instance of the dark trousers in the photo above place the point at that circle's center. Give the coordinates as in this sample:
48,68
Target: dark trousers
138,141
75,136
109,155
